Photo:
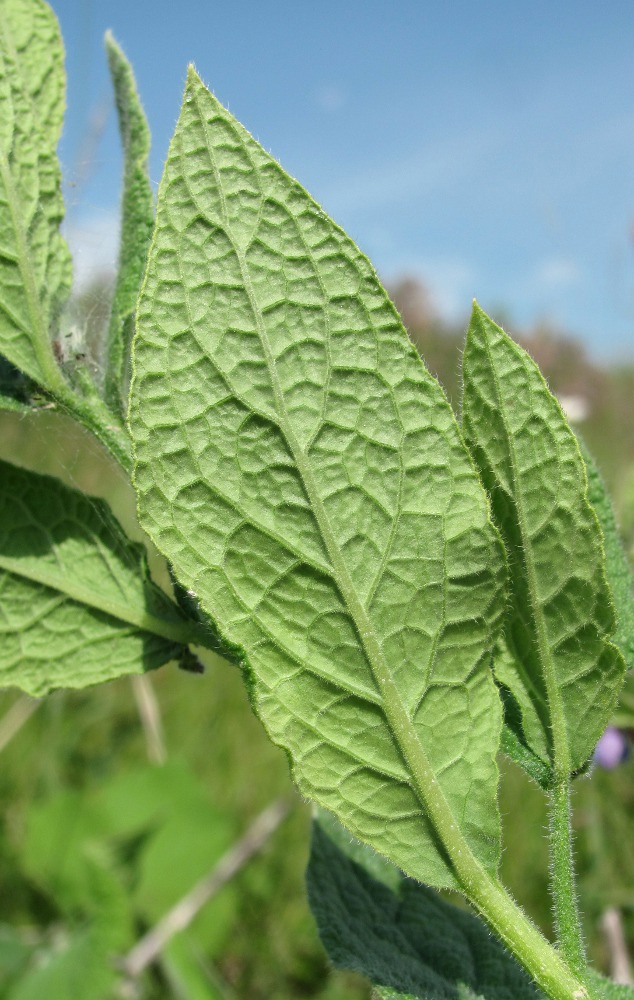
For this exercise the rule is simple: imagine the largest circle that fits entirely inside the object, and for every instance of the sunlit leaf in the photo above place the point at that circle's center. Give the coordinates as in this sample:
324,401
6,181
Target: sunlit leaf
305,477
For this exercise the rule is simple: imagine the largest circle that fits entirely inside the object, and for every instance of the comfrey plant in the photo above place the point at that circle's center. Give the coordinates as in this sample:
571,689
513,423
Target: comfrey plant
406,596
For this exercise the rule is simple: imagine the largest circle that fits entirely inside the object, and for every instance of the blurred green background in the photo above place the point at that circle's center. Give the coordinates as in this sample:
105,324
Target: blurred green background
98,839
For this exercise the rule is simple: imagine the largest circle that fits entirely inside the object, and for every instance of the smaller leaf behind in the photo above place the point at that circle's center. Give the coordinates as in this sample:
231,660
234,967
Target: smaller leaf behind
617,567
410,942
77,605
137,220
620,579
562,671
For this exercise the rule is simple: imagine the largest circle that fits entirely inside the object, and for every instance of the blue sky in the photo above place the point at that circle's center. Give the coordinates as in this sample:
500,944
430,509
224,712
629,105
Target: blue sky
487,148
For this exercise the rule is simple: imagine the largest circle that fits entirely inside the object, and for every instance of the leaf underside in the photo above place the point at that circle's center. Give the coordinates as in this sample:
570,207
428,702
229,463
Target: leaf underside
35,267
560,613
76,604
305,477
411,943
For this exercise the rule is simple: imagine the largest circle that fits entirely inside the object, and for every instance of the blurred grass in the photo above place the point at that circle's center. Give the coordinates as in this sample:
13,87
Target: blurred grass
80,741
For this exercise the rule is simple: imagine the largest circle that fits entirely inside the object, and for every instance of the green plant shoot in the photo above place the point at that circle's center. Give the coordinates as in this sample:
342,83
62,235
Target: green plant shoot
406,597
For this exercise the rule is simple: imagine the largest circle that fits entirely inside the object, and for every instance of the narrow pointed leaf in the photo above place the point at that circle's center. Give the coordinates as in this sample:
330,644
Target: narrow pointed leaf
137,220
410,943
76,602
564,674
35,270
305,477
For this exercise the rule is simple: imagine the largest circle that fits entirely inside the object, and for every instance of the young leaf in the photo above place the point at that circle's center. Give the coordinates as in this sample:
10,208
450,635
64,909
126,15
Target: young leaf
565,675
404,937
305,477
77,605
35,269
137,220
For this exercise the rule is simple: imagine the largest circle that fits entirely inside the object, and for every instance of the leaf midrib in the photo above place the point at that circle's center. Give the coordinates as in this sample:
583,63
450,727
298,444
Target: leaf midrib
558,729
398,721
37,572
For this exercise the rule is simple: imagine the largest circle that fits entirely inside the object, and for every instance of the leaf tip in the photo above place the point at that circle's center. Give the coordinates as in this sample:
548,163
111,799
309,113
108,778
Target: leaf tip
477,312
110,43
192,76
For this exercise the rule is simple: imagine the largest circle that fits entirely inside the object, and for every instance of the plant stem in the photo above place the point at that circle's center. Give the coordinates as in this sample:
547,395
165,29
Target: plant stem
551,971
546,966
562,879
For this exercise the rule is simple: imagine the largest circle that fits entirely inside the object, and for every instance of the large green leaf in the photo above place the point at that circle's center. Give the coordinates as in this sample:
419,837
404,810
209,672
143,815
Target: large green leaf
305,477
137,220
35,269
76,602
404,937
564,673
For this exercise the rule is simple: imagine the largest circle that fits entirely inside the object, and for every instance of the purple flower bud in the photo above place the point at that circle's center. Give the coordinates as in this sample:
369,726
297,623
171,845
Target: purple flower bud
612,748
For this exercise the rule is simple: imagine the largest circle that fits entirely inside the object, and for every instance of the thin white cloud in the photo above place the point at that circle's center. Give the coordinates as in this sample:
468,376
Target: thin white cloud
330,98
435,166
555,273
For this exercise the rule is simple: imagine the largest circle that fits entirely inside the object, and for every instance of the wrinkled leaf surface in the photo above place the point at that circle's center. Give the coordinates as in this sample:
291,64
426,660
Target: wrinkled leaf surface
305,477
